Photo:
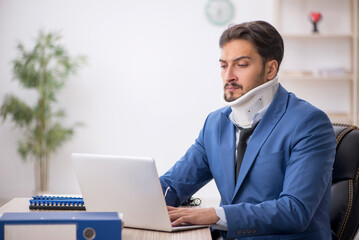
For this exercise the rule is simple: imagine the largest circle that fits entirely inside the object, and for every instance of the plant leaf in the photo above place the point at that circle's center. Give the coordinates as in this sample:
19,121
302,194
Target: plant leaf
57,135
25,147
25,68
60,113
20,112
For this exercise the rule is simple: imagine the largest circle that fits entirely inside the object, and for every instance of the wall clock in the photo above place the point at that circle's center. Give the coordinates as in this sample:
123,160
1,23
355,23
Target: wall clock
219,12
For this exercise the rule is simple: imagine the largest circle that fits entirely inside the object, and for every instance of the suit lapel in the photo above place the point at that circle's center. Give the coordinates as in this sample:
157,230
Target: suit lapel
270,119
227,142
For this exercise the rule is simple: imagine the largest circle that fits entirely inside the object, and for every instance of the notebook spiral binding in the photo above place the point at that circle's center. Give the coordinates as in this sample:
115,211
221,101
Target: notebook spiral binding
40,202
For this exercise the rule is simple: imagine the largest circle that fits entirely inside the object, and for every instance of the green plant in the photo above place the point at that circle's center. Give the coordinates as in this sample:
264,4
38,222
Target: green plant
45,68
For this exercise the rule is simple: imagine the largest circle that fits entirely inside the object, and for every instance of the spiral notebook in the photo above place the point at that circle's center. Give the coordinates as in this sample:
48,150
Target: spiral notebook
42,202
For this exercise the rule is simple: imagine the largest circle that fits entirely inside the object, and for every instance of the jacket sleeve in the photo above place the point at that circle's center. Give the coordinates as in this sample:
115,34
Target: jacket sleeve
188,175
307,179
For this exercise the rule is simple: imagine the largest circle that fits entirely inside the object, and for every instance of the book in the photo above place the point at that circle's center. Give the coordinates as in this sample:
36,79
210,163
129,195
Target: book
43,202
60,225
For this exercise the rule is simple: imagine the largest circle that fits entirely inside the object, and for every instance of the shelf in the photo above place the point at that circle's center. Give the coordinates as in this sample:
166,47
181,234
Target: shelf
317,36
335,46
316,78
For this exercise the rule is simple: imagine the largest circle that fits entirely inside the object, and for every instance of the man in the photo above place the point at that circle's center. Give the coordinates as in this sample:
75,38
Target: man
280,188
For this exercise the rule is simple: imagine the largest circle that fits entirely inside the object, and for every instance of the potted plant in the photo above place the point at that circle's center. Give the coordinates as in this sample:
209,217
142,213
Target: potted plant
45,68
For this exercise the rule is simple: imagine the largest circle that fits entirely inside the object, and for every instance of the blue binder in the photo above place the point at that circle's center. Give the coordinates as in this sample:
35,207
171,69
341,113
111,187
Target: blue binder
43,202
86,225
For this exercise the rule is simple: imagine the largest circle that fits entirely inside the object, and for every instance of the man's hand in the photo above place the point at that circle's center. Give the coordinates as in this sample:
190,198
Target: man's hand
197,216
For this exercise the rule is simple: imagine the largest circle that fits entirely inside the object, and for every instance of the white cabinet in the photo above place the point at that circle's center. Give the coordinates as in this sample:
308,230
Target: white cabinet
321,68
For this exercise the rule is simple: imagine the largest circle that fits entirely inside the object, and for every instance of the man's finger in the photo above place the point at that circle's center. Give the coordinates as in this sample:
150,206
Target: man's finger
180,220
169,208
175,216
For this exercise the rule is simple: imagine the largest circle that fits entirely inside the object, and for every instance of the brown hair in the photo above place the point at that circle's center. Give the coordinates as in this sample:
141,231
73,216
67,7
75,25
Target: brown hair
265,38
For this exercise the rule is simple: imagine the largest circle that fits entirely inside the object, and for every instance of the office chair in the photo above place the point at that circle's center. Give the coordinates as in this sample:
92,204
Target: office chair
344,203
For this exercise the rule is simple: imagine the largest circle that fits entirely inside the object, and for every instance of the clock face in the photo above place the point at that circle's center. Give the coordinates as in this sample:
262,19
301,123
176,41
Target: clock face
219,12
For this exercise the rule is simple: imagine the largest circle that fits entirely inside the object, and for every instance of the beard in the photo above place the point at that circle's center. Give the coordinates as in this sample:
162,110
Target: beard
230,97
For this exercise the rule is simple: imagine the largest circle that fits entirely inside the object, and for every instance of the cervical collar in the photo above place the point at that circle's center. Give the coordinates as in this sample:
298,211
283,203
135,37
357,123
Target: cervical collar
245,107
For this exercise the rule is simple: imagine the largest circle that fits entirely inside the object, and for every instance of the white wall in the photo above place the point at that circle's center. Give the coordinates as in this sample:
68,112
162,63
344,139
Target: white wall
152,78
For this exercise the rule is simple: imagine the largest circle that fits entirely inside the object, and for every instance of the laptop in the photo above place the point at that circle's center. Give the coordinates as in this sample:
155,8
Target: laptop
129,185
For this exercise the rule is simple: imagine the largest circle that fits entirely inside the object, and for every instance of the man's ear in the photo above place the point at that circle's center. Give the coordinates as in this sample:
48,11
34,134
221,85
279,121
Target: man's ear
271,69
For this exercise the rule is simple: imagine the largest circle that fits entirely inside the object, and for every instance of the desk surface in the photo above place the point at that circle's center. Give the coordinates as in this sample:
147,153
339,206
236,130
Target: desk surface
22,205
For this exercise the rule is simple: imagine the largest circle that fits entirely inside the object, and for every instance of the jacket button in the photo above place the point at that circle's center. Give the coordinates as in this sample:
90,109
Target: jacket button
254,230
249,231
239,231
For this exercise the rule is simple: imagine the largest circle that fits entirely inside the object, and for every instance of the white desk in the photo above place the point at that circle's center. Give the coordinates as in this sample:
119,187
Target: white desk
22,205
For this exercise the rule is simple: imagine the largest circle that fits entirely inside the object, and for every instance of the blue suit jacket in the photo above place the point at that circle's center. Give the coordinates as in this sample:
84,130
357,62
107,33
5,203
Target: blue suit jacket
283,187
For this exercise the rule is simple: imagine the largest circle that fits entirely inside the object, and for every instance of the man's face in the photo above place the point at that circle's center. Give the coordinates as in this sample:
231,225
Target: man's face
242,69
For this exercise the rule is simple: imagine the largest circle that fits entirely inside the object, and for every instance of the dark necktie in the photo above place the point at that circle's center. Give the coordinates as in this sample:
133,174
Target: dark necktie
242,145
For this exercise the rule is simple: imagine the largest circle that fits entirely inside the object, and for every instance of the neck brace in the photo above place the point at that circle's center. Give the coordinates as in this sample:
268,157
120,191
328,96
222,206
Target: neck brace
245,107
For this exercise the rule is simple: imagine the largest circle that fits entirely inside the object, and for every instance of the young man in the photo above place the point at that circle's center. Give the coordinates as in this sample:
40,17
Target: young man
274,182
